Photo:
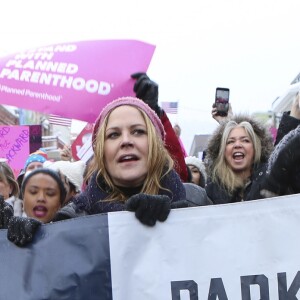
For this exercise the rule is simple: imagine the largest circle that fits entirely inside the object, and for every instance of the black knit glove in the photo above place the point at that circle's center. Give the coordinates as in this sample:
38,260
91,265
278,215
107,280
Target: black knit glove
149,208
182,204
6,213
65,213
21,230
146,90
283,177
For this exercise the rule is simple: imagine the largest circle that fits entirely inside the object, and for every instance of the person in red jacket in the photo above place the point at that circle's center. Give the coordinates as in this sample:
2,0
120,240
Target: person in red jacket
147,90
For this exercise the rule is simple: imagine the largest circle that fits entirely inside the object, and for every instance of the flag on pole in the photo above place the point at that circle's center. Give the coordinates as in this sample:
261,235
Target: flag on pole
170,107
57,120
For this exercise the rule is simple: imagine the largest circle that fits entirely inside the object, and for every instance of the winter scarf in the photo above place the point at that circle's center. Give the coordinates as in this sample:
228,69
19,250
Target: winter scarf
91,200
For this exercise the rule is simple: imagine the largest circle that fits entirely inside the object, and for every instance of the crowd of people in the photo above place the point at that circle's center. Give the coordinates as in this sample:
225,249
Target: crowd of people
140,165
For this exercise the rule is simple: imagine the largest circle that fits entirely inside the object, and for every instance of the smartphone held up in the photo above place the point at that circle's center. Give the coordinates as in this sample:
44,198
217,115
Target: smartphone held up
222,101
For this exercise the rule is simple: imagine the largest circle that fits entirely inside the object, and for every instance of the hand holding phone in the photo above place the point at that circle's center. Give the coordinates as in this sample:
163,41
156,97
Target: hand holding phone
222,101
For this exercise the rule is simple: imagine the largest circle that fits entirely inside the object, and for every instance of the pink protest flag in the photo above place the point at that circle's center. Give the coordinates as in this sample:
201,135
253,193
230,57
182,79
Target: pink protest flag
73,80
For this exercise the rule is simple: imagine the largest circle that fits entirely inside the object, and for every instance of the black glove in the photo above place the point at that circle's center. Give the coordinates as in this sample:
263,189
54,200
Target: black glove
283,177
182,204
65,213
149,208
21,230
6,213
146,90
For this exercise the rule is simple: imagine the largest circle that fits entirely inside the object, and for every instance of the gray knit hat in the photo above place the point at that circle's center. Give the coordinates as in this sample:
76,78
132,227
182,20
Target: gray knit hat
197,162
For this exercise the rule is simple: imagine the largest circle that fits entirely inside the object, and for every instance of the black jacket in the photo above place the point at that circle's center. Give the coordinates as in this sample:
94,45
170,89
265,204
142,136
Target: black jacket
251,191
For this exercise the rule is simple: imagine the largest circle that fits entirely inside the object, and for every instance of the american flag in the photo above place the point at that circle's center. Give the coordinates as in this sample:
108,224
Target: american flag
58,120
170,107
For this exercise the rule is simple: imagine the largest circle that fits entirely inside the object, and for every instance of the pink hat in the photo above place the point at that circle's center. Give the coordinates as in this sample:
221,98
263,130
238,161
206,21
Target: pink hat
132,102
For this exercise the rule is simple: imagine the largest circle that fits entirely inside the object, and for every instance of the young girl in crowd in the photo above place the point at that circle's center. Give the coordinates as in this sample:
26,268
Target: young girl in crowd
72,176
34,161
43,194
197,170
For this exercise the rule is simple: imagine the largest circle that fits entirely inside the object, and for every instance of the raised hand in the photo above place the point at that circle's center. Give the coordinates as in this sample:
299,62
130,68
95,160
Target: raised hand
221,119
146,90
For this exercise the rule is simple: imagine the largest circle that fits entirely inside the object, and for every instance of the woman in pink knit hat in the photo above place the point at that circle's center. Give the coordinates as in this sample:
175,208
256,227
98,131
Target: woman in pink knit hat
131,170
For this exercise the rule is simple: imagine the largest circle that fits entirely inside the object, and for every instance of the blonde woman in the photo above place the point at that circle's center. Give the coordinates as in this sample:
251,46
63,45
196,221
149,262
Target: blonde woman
236,160
131,169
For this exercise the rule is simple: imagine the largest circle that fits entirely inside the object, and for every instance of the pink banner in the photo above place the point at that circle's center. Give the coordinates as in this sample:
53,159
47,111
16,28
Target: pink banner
73,80
14,145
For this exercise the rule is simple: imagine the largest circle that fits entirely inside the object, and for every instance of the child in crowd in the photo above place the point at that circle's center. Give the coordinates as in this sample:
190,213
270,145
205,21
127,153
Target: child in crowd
72,175
197,169
34,161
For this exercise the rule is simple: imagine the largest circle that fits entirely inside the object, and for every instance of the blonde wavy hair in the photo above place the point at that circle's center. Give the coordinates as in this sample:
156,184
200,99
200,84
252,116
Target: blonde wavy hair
159,161
222,171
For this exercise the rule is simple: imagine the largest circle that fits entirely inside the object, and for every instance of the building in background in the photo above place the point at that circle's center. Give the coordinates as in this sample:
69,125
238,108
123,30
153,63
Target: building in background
199,144
8,116
284,102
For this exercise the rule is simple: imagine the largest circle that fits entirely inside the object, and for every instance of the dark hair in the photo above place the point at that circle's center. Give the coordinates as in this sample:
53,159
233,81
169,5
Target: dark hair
55,175
189,172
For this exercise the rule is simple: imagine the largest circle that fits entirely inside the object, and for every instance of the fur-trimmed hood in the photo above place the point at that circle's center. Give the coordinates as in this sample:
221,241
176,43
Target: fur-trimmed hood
214,143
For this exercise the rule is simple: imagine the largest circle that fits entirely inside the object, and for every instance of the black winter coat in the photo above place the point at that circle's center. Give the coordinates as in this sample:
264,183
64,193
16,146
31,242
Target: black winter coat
251,191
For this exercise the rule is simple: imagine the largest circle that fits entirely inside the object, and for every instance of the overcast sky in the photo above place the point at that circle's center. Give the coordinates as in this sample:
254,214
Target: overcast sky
251,47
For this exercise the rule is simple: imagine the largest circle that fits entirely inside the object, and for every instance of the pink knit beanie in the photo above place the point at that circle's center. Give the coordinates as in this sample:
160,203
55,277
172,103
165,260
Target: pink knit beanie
132,102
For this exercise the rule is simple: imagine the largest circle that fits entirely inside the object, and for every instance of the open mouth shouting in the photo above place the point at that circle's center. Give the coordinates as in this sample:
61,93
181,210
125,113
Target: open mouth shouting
40,211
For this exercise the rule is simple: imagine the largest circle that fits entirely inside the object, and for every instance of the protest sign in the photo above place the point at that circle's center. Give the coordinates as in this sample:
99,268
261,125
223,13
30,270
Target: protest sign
73,80
83,143
241,251
35,133
14,145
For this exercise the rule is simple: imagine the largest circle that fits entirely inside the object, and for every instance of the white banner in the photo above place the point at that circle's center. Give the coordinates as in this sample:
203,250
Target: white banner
242,251
245,251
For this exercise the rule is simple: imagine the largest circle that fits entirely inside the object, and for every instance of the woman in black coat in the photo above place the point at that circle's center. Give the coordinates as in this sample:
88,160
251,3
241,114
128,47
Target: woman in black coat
226,184
236,160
